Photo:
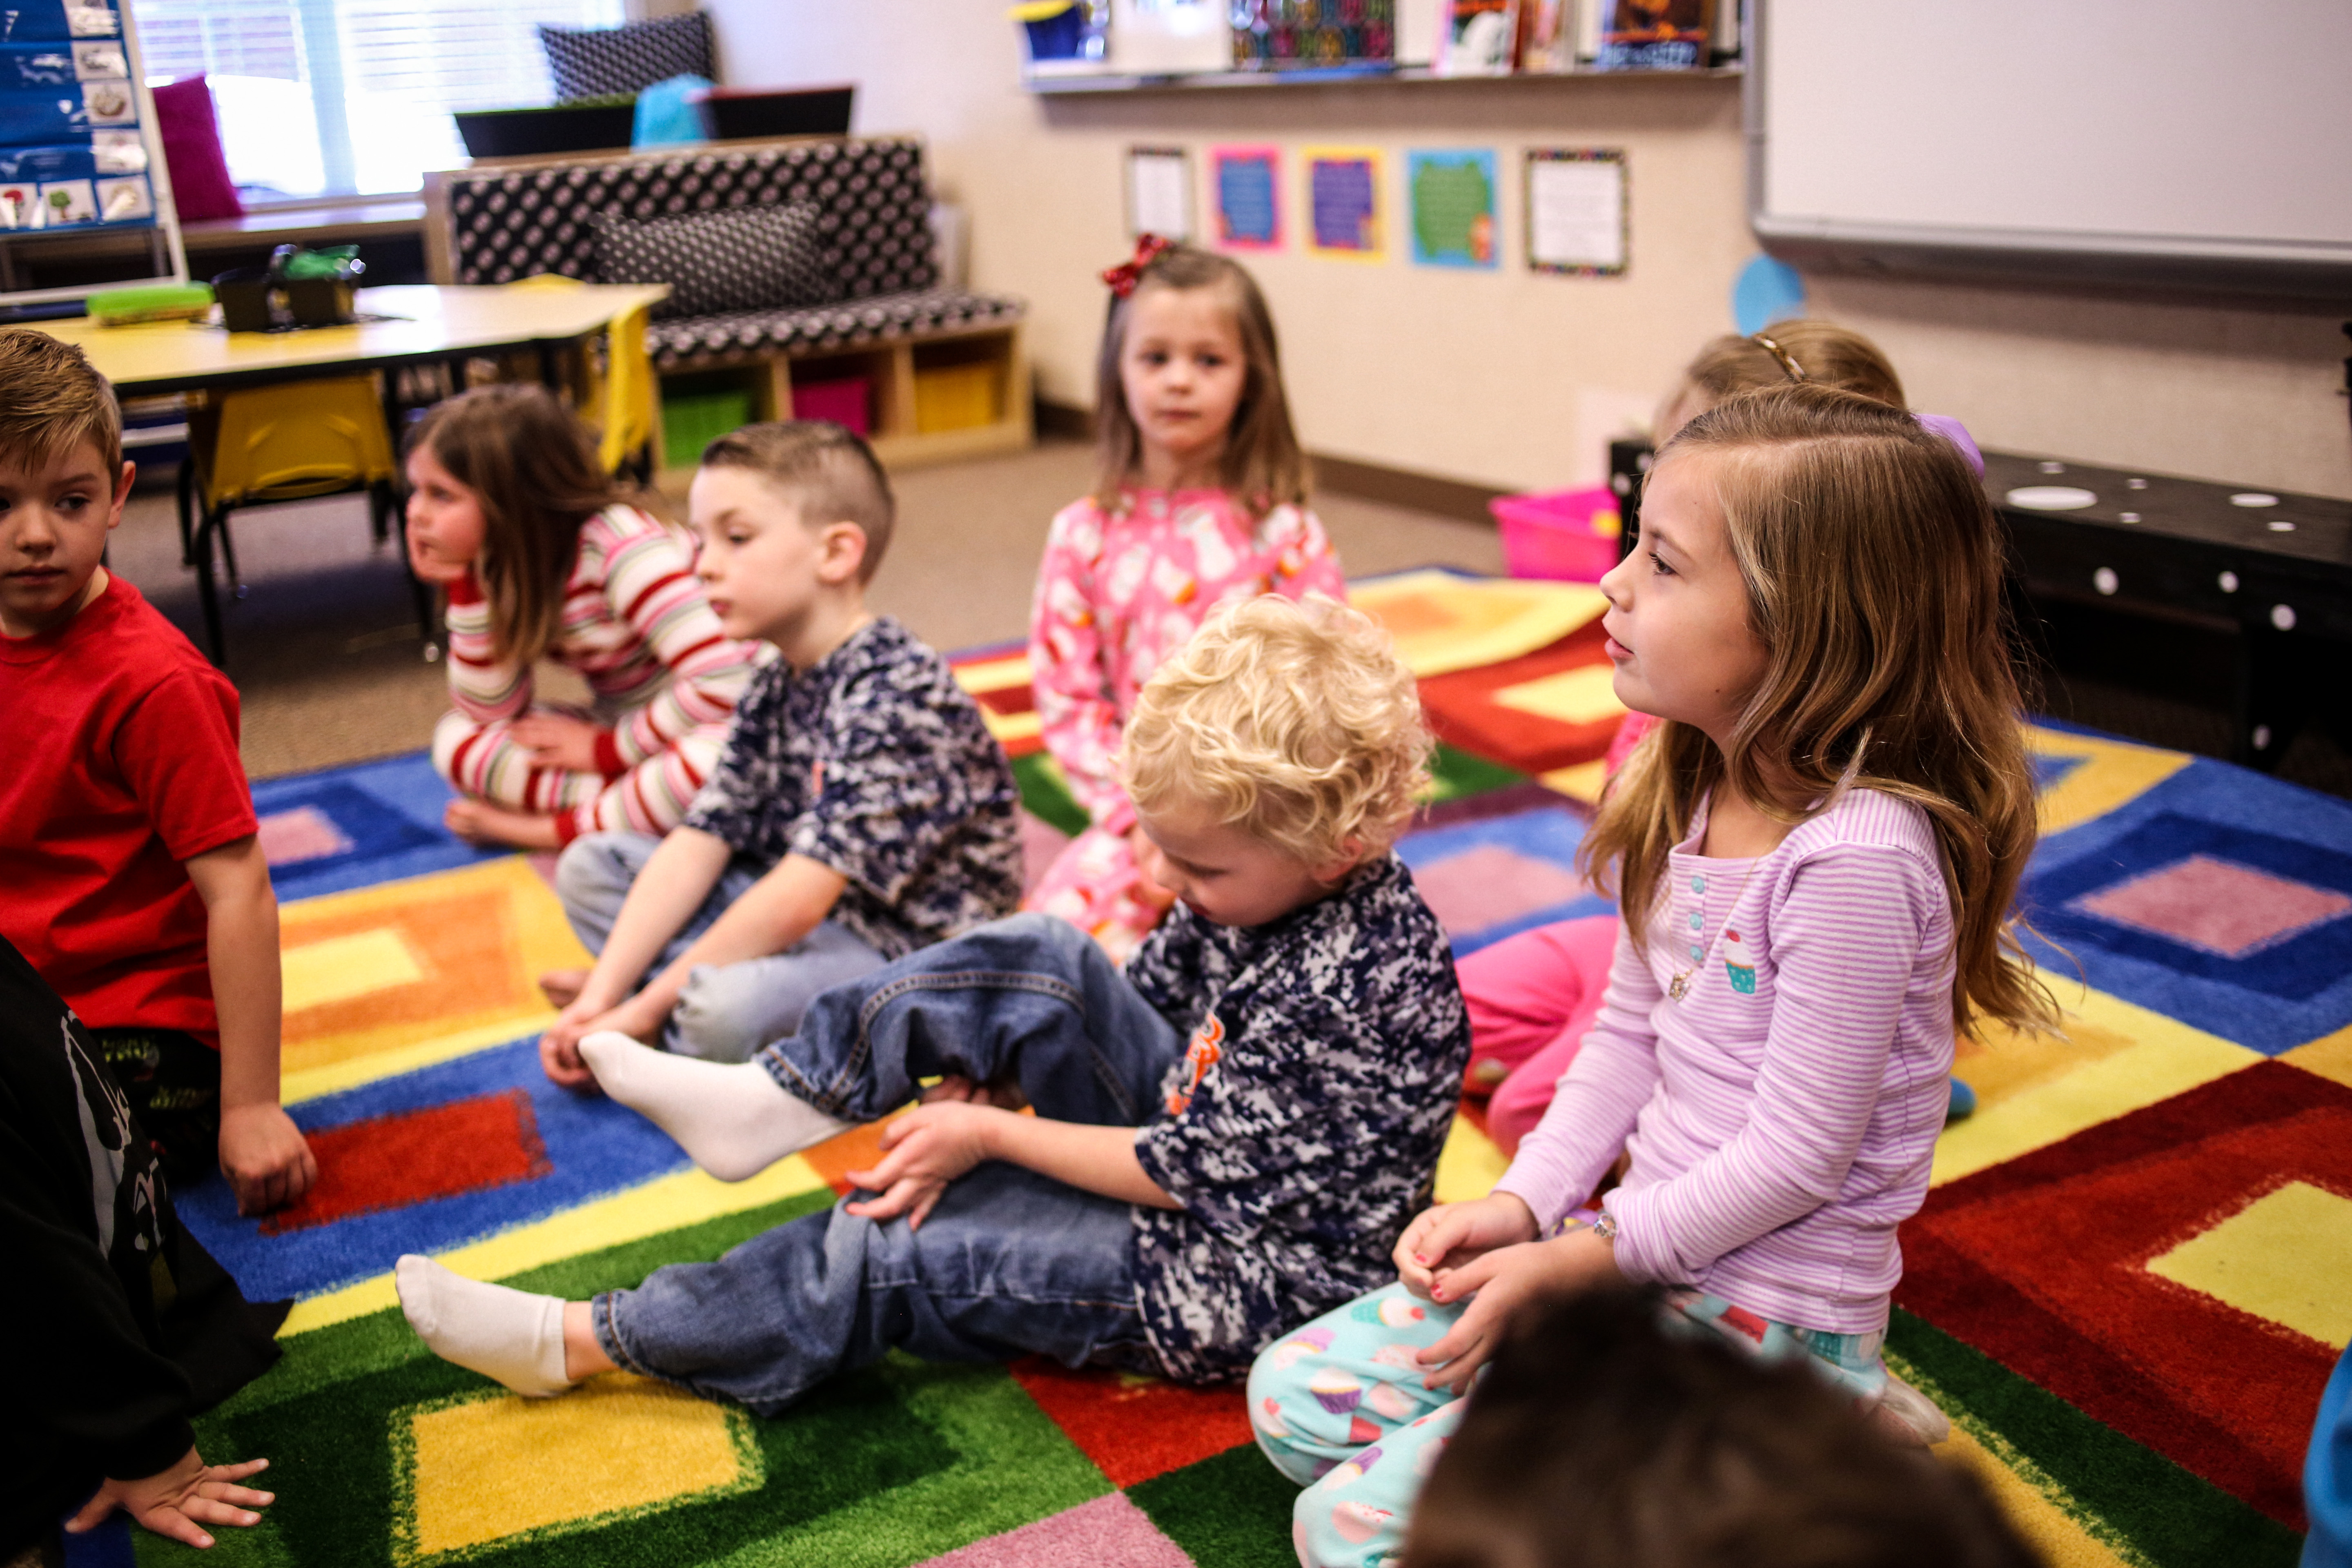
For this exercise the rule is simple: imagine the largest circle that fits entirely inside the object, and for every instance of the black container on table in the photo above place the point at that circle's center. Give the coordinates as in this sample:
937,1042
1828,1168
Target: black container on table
244,300
321,301
564,128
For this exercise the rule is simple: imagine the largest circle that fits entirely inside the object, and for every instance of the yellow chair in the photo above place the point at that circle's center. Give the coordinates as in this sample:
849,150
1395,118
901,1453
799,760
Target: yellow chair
623,399
289,442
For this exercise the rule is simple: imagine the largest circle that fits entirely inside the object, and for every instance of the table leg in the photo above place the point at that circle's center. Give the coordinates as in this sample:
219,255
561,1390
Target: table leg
207,592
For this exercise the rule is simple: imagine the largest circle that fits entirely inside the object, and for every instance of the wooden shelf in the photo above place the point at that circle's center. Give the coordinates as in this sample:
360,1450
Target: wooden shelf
891,368
1411,76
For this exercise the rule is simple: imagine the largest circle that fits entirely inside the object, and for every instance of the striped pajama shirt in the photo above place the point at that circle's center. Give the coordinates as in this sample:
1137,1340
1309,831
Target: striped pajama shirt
666,681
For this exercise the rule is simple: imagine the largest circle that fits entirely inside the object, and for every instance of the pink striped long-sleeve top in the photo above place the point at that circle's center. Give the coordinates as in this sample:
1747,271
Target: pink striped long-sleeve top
635,623
1783,1115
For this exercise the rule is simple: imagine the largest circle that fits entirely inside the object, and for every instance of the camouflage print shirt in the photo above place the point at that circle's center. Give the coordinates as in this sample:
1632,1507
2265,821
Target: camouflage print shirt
876,763
1301,1130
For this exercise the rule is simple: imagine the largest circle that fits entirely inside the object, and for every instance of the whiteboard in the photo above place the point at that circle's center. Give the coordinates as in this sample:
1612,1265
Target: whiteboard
2187,140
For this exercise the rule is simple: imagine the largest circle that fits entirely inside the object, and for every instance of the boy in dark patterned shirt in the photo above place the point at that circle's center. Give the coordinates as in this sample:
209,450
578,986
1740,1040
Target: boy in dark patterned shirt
1228,1138
861,809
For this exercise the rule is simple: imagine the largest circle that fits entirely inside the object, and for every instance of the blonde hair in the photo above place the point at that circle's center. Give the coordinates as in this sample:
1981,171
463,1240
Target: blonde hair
1296,723
826,469
1263,466
1827,354
1873,565
51,400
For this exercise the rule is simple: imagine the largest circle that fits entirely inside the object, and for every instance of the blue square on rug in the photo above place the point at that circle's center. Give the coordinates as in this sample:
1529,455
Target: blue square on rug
2219,898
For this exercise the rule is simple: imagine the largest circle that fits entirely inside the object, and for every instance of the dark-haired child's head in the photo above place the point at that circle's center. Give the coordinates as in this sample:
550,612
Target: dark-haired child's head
500,478
1190,365
1599,1438
791,515
63,482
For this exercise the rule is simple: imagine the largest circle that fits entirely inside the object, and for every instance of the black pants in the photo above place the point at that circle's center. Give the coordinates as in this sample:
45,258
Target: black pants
173,1080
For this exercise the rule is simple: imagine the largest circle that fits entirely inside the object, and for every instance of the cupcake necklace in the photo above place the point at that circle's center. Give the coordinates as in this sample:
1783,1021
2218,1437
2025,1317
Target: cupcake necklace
1679,985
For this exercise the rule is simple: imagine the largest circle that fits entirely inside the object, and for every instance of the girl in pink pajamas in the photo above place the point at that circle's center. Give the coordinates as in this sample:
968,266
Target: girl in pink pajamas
1202,500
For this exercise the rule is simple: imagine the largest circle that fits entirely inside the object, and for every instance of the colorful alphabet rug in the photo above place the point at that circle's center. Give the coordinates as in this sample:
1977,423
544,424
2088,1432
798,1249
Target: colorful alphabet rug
2126,1287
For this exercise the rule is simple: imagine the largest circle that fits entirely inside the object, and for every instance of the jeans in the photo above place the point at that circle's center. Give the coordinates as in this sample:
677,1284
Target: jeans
726,1011
1009,1263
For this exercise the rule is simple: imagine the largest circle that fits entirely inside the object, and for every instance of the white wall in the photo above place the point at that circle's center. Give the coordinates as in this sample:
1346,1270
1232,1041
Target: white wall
1514,378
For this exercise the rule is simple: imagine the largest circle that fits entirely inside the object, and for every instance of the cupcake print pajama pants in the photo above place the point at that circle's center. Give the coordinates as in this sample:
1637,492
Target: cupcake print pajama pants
1338,1407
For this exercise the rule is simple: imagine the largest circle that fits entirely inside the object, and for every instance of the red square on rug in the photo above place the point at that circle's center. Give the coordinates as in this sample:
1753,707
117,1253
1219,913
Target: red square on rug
392,1161
1135,1428
2065,1265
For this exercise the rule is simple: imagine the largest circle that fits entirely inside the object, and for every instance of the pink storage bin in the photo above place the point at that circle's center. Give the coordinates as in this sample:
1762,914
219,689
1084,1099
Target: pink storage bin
1565,535
845,402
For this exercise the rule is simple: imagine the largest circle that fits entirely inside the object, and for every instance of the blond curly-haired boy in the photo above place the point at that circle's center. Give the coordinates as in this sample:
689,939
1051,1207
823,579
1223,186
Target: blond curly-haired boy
1228,1137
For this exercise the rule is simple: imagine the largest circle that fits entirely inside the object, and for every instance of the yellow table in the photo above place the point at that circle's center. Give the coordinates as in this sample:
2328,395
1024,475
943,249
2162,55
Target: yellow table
421,324
431,323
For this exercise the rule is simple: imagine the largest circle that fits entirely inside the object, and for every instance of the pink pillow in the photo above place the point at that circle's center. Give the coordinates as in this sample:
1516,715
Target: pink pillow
201,187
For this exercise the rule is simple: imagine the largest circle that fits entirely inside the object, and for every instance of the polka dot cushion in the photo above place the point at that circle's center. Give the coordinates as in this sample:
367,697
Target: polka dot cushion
593,62
873,208
738,259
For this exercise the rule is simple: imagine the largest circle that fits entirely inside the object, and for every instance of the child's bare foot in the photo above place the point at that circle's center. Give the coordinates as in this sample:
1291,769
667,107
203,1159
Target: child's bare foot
561,987
480,822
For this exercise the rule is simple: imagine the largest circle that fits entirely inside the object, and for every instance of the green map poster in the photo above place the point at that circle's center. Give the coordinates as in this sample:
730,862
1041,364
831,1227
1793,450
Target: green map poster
1453,202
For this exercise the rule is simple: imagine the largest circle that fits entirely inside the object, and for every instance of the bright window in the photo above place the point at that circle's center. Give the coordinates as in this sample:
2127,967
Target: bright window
333,97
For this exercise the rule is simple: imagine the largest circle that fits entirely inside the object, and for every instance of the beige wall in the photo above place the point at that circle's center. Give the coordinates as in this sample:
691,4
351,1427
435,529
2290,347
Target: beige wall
1514,378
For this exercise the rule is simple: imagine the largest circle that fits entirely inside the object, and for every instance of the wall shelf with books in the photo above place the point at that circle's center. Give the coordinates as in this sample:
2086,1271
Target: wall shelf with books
1411,76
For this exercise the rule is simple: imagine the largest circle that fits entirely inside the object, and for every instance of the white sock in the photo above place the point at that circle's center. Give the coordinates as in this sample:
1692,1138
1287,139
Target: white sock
510,1335
732,1119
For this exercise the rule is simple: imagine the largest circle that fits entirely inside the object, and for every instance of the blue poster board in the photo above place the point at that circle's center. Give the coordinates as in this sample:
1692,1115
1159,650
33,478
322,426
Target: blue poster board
79,148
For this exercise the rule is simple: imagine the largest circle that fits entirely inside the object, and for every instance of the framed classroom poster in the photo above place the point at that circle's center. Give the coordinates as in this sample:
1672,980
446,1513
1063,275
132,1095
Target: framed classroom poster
1160,192
1451,198
1343,202
1245,183
1578,222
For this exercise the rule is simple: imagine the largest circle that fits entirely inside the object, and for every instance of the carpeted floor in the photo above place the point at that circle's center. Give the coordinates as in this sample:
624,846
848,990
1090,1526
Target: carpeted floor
2126,1287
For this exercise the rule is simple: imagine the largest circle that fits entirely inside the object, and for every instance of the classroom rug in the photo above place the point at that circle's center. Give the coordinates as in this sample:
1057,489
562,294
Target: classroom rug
2126,1288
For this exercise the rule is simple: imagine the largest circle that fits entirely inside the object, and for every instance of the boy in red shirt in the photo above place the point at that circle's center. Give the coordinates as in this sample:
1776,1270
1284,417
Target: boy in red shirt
134,880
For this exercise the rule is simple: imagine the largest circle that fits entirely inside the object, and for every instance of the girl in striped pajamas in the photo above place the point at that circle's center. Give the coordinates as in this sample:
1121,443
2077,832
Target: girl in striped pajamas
510,513
1815,853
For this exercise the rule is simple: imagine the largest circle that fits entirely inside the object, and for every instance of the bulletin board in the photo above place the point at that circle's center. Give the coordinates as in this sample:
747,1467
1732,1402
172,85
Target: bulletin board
80,152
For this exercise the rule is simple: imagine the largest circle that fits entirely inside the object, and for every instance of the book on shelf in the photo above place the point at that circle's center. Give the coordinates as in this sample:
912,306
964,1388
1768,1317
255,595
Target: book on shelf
1656,35
1481,37
1548,35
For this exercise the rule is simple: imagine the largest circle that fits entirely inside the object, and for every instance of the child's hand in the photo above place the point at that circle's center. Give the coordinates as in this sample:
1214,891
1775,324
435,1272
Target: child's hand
179,1501
558,741
1452,1234
1505,1280
264,1157
558,1047
923,1150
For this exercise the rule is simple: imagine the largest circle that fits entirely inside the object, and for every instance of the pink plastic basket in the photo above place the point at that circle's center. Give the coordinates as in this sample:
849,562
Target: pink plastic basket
1566,535
845,401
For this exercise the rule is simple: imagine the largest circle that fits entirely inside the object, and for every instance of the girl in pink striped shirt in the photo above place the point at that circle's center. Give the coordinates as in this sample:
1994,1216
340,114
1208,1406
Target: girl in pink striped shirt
509,512
1815,854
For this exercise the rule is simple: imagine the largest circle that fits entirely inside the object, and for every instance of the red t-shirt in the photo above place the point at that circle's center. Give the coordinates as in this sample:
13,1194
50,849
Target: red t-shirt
122,764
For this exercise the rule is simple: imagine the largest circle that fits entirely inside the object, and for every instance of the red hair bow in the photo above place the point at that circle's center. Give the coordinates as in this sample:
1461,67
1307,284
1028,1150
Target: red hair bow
1124,276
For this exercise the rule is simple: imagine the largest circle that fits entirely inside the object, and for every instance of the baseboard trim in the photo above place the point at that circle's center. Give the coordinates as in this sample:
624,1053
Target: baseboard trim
1405,487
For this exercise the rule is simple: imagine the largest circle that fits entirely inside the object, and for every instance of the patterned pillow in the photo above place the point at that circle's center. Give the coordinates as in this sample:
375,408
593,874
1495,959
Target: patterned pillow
593,62
736,258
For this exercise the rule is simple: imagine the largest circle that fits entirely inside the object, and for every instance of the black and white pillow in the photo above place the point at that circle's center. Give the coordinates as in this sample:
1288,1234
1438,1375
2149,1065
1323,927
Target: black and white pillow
736,258
595,62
